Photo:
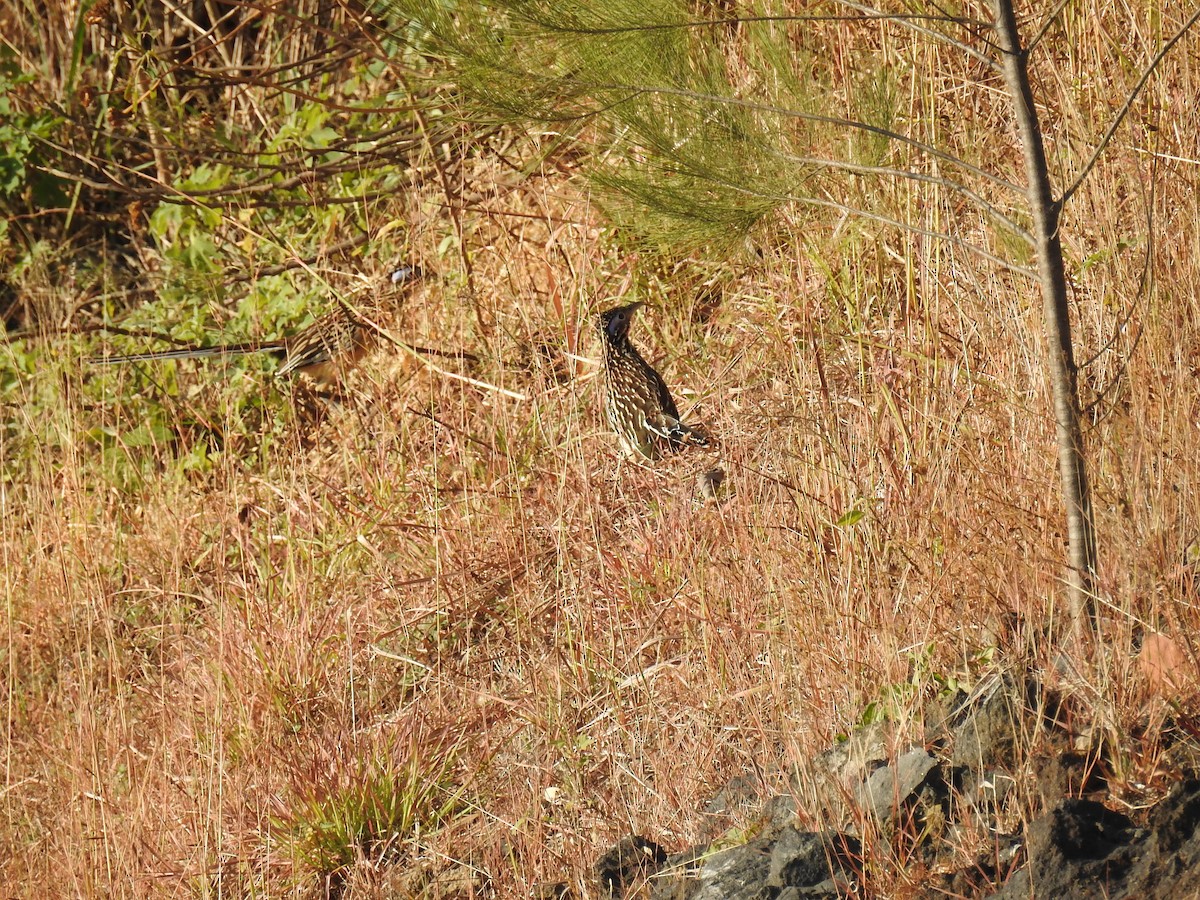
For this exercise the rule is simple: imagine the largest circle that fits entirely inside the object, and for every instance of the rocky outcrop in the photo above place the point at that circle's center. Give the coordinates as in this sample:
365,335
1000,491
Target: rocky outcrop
999,762
1081,848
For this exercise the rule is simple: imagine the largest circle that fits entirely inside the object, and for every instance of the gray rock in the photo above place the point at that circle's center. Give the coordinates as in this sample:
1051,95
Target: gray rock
789,862
780,810
851,761
739,873
986,737
890,788
738,794
830,782
1076,848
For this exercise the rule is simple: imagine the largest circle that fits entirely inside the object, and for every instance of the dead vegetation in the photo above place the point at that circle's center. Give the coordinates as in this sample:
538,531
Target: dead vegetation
431,637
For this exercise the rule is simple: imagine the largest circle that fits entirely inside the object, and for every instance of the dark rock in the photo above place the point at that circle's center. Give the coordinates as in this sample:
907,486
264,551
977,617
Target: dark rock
739,873
1175,821
812,861
629,865
990,736
1078,849
1080,830
1168,863
1064,774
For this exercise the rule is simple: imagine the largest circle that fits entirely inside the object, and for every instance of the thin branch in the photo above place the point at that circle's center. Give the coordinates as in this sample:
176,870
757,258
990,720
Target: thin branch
1050,20
425,361
834,204
645,27
1060,354
280,268
913,22
823,120
1147,276
857,169
451,428
475,382
140,333
382,140
1127,105
455,218
925,232
1143,292
461,355
865,13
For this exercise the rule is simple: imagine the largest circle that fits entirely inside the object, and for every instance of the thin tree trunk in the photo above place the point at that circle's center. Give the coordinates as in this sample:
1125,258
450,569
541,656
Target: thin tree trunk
1059,352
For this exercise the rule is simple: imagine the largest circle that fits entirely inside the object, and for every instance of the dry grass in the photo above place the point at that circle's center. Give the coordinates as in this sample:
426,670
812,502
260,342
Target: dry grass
430,581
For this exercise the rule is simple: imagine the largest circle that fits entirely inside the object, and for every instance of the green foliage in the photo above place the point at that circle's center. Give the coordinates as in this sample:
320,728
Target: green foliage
178,409
682,159
369,807
19,436
893,702
897,701
19,153
850,517
243,172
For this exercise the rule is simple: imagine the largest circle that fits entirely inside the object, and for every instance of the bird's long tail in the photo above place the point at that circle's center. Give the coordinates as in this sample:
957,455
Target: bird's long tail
191,352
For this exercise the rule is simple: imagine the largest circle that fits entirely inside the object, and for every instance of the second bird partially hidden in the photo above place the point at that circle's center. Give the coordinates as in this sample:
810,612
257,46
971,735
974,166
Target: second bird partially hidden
324,351
638,405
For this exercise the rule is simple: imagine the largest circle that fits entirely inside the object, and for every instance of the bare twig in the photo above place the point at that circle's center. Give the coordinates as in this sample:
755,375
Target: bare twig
1127,105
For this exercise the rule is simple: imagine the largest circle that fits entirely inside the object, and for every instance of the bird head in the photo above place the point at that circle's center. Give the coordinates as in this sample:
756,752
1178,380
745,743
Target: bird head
614,323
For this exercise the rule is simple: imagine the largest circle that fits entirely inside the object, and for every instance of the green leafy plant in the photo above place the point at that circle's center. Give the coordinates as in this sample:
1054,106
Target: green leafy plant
369,806
19,131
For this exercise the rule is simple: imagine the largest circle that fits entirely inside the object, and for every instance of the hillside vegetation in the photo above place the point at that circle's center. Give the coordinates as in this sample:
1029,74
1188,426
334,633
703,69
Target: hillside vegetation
428,635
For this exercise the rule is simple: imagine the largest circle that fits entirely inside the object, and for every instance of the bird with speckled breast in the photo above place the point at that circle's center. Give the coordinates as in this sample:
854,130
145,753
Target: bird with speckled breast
636,400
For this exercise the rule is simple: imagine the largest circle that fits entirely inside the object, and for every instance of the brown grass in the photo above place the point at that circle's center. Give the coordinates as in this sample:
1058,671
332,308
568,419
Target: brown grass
429,573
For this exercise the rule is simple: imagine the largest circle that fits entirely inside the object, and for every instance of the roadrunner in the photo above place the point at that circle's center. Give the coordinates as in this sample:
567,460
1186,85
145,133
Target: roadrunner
324,351
637,402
